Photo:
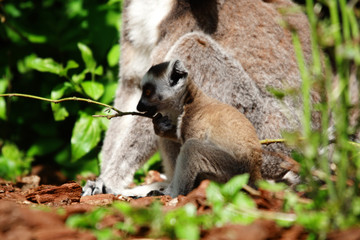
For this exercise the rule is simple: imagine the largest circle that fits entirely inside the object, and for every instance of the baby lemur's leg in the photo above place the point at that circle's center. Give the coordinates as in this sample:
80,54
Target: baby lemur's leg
169,151
199,160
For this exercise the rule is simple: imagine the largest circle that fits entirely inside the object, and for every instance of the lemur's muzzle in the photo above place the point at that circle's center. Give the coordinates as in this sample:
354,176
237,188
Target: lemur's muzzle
148,110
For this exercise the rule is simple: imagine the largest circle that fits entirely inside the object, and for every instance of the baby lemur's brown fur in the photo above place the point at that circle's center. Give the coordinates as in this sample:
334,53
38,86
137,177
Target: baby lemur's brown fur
217,141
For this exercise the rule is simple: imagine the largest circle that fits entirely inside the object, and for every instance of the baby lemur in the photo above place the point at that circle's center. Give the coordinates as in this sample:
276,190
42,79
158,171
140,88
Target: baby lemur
217,141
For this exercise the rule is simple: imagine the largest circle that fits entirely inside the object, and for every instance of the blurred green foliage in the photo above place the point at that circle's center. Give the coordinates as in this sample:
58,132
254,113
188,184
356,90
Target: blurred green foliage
56,49
226,201
336,73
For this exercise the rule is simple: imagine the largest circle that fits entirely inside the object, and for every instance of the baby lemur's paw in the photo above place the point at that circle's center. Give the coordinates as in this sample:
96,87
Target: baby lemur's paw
162,124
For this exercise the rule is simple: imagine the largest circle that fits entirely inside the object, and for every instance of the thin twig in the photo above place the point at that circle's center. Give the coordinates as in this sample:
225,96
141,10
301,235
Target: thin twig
252,191
270,141
118,112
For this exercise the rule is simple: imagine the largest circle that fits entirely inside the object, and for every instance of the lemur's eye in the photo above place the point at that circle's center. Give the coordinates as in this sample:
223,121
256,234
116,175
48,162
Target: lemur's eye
147,92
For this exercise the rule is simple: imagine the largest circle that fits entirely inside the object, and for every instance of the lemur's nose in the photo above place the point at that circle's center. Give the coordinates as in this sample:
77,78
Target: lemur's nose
148,110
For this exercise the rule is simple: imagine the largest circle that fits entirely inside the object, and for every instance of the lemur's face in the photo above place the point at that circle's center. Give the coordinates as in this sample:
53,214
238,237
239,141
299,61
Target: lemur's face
161,87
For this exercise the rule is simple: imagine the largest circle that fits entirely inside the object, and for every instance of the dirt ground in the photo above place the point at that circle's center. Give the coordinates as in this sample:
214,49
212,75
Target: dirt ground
29,210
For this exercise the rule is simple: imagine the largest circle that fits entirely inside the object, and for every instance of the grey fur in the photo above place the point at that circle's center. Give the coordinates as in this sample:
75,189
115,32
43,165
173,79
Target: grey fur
248,44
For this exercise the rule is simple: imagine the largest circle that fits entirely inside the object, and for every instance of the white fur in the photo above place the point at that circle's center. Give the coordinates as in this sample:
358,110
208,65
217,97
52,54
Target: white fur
292,178
179,123
144,19
140,63
143,25
142,191
129,105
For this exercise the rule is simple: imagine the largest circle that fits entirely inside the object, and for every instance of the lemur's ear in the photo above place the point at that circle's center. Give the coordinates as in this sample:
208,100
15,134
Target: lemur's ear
178,72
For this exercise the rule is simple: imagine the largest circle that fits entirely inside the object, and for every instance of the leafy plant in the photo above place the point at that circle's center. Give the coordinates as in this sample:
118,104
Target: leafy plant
13,162
338,36
227,202
91,221
87,130
54,57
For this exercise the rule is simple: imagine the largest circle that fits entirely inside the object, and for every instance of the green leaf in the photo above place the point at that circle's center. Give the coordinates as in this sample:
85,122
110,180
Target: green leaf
86,135
291,199
63,156
272,187
10,151
78,78
44,146
59,112
11,10
44,65
87,220
93,89
109,93
87,56
126,227
89,166
36,38
234,185
2,108
71,64
188,231
3,85
213,194
313,220
59,91
13,163
114,1
114,55
243,201
124,207
99,70
187,227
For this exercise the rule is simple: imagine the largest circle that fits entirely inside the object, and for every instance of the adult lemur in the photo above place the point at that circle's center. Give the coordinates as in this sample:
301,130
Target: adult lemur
217,141
237,50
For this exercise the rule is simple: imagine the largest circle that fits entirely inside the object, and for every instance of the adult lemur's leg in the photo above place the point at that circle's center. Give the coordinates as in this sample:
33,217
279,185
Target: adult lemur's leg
128,143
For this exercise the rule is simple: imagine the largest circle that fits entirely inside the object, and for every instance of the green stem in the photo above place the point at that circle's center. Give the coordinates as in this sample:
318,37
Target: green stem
324,158
316,58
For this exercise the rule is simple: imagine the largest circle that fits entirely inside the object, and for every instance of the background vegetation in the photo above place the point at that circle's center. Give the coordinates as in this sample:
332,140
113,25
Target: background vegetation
56,49
60,48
